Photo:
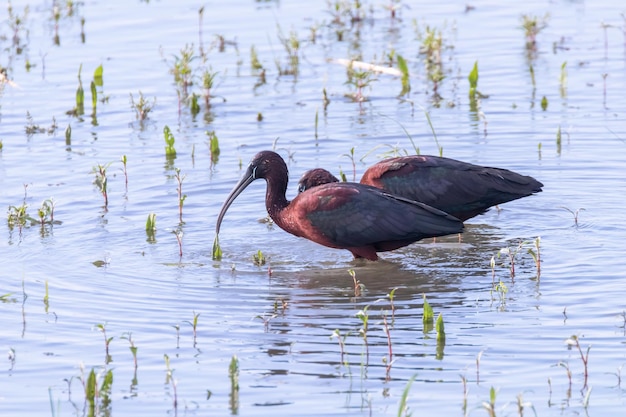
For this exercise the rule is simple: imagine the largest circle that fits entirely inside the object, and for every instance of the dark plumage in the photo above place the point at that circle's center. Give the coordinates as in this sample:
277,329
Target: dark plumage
356,217
459,188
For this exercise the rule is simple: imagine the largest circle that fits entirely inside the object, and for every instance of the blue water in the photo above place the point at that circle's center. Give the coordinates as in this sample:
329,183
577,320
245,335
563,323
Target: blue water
102,272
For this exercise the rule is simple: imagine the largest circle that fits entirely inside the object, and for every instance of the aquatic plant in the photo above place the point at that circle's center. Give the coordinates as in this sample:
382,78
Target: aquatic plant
98,76
101,180
170,150
325,99
441,337
194,107
17,216
403,408
217,250
255,64
439,327
258,258
46,211
511,254
179,190
46,297
568,373
151,227
177,328
142,107
391,296
358,286
182,71
34,128
359,79
169,379
194,326
473,81
266,318
133,349
532,25
208,80
428,316
107,342
350,156
292,47
575,213
501,289
363,315
17,24
558,140
388,361
404,68
80,95
563,80
214,146
431,48
125,170
98,395
544,103
491,405
68,136
178,233
393,7
536,254
342,344
574,341
283,303
233,375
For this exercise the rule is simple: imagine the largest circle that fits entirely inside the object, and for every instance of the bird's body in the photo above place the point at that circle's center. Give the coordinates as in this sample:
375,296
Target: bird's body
356,217
459,188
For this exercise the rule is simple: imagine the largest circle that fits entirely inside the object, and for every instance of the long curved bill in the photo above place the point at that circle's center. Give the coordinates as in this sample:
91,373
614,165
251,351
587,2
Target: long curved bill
241,185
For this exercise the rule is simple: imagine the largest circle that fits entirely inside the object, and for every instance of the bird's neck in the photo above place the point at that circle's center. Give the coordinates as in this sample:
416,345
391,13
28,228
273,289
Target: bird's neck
275,197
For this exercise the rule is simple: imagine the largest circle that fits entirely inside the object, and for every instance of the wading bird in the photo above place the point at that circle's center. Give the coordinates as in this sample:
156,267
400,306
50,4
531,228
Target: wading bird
459,188
356,217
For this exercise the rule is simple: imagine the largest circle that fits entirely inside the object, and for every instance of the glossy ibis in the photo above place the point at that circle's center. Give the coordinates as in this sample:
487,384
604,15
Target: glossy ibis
356,217
459,188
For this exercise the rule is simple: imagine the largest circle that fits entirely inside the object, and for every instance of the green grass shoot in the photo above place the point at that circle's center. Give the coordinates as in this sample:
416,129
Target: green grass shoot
151,223
429,315
194,107
233,375
473,80
255,64
217,250
68,135
46,297
170,150
404,69
97,76
80,95
94,97
403,408
491,405
258,258
439,326
392,295
544,103
214,146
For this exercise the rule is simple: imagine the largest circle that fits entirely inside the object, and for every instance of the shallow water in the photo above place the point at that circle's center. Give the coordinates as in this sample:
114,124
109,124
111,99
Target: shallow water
102,272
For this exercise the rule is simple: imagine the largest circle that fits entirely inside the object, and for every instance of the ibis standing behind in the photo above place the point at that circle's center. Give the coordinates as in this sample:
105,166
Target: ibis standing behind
459,188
